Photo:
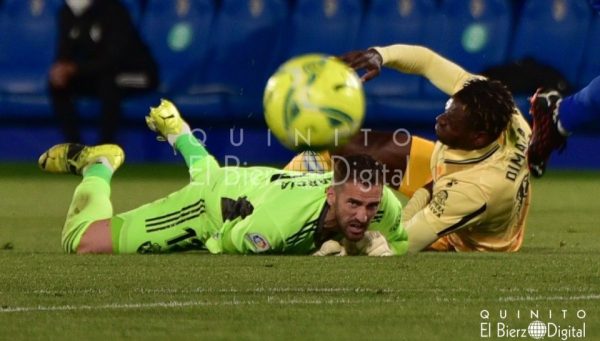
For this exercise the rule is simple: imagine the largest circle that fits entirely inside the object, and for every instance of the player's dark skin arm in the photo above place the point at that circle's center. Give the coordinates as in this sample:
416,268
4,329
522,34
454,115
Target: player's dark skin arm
389,148
368,60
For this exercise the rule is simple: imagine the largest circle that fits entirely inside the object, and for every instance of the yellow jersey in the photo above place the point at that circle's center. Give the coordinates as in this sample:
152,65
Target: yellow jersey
480,198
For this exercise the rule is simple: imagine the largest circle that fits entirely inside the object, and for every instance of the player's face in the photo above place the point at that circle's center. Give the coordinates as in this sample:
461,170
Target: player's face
453,127
355,205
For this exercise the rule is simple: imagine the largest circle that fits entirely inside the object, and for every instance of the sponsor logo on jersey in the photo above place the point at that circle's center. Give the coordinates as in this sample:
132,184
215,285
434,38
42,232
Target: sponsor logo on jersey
438,203
260,243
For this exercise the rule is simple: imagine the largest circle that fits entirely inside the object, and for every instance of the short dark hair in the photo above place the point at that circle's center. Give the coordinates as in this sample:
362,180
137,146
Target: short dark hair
489,105
360,168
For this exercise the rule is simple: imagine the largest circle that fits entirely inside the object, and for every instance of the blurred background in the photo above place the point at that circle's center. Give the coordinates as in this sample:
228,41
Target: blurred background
214,57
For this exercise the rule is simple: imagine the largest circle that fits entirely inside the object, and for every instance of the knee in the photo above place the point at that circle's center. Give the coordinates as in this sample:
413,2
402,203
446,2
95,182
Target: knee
97,238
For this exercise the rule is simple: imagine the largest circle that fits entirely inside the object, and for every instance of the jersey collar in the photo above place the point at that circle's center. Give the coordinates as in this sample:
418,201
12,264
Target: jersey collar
321,236
466,157
455,160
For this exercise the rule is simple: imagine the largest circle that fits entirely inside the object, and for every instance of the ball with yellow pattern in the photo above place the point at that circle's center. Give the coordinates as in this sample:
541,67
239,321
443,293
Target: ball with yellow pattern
314,102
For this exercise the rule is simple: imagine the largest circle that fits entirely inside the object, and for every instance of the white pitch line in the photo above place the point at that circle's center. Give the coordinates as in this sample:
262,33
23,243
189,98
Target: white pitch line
266,290
592,297
177,304
248,290
115,306
270,300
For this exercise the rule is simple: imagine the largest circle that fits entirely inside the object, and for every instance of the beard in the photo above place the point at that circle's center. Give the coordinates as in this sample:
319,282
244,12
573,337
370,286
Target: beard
353,229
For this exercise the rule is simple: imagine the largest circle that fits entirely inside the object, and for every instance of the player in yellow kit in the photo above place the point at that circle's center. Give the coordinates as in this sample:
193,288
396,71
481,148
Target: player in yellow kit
479,197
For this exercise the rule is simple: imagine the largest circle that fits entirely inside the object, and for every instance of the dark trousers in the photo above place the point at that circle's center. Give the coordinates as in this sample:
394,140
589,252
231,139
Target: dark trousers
106,90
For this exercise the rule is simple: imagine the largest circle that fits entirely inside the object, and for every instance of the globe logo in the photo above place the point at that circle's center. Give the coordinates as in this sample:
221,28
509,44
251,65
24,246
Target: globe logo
537,330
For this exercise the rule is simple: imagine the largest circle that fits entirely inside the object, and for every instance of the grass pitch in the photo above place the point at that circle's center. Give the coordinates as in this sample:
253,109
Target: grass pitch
45,294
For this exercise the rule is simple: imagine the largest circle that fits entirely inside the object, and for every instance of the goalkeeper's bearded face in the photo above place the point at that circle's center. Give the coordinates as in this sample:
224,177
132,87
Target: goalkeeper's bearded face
354,204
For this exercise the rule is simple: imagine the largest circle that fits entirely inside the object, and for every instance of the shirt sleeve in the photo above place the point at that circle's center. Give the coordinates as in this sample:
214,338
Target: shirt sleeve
449,210
441,72
254,234
388,221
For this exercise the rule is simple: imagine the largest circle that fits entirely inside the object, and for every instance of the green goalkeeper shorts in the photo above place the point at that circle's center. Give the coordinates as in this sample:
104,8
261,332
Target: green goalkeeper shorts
184,220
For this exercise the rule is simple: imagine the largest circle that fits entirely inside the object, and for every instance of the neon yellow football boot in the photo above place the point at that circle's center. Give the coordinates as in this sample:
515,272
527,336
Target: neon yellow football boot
166,121
72,157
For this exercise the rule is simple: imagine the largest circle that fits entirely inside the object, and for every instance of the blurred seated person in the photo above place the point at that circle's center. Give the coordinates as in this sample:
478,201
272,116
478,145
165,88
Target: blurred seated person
100,54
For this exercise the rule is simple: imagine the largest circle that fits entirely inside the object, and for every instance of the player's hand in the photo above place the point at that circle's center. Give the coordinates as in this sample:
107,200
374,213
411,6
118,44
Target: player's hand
373,244
330,248
369,60
61,73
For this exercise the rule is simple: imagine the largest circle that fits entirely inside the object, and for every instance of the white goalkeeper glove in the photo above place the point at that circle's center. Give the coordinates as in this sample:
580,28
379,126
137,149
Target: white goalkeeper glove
330,248
373,244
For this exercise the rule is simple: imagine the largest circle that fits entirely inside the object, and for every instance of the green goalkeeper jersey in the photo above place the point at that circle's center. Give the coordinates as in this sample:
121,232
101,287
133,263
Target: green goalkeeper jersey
267,210
243,210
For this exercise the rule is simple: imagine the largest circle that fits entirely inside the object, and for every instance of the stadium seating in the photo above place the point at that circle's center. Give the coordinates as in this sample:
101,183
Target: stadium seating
177,33
244,52
215,55
319,26
390,22
395,22
28,31
473,33
178,36
554,33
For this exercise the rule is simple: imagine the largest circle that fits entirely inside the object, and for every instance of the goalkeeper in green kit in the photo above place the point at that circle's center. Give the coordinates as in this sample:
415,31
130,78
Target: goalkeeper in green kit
235,210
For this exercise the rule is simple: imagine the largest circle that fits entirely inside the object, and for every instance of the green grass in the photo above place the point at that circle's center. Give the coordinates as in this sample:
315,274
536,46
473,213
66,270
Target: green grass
45,294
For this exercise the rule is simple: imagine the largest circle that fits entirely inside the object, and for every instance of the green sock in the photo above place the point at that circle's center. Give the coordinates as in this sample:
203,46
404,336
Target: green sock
99,170
91,202
190,147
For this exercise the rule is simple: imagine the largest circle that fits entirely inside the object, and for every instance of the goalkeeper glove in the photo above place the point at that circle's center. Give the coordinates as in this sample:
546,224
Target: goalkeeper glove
330,248
372,244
